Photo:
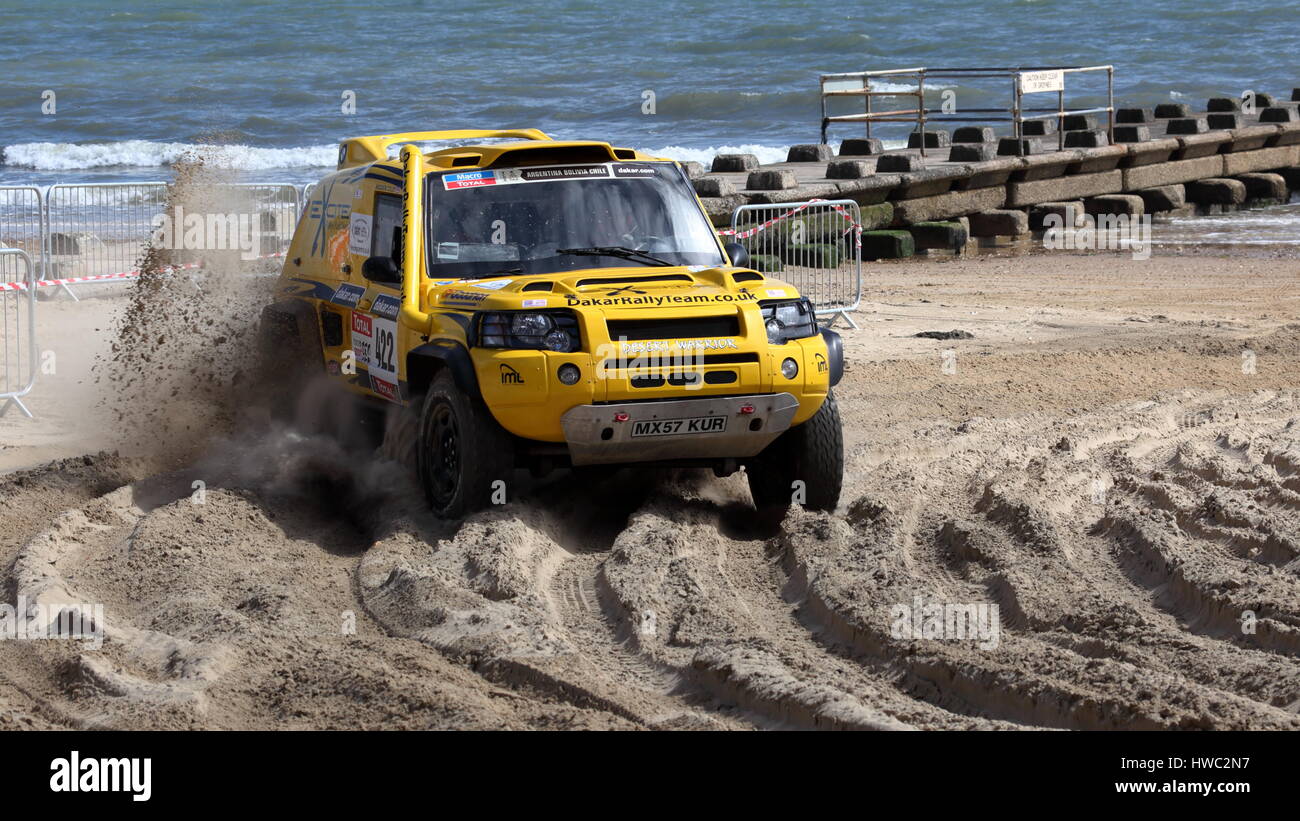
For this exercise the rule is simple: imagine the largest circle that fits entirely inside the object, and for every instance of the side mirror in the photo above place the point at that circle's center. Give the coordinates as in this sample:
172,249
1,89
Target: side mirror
739,256
381,269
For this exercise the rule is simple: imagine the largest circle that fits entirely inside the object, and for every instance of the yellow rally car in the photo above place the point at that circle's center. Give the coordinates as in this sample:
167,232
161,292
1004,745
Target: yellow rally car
537,303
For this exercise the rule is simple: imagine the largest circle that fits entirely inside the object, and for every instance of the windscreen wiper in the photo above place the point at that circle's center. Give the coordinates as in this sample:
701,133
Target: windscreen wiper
620,251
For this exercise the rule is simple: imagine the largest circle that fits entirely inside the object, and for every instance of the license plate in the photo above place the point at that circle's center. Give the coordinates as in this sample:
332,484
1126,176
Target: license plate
677,427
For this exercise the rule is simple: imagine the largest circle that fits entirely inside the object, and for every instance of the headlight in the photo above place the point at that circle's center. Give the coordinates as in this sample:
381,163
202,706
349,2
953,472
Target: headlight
788,320
551,331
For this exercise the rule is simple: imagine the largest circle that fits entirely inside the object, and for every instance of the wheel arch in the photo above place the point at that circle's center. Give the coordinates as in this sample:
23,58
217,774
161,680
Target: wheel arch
424,363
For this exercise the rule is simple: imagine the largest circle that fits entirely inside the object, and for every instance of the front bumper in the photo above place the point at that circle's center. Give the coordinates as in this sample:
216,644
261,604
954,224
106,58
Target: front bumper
705,428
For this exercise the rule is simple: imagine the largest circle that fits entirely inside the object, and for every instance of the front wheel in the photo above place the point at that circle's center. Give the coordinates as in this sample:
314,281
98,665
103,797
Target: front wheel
804,465
462,452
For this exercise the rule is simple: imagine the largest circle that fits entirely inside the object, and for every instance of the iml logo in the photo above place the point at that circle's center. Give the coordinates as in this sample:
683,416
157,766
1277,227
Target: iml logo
128,775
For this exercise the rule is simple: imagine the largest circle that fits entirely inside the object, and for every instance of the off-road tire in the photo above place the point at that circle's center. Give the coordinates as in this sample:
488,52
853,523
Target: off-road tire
286,363
812,453
462,450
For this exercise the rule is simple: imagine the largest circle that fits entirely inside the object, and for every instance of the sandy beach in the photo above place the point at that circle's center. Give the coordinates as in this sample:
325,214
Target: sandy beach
1111,458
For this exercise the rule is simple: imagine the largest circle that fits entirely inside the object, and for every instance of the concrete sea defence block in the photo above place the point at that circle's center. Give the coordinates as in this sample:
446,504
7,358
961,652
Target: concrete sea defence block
734,163
861,147
1011,147
1187,125
1163,198
809,152
1265,159
1086,139
929,182
1038,128
868,190
1067,214
1063,189
1295,95
1132,133
1264,100
973,134
1000,223
1079,122
940,236
947,206
1193,146
1129,205
992,171
1223,104
773,180
933,139
1263,186
1223,122
900,162
972,152
1292,177
1133,115
887,244
1148,153
713,186
1045,166
1171,173
849,169
1093,160
876,216
1287,134
1172,111
1250,138
1216,191
693,169
1279,114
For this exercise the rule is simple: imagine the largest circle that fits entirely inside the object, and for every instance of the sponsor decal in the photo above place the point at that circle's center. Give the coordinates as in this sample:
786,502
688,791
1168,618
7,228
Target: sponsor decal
510,376
678,345
570,172
677,427
388,390
449,250
627,170
534,303
468,179
359,233
776,292
822,365
463,297
491,285
657,300
348,294
511,176
374,344
386,306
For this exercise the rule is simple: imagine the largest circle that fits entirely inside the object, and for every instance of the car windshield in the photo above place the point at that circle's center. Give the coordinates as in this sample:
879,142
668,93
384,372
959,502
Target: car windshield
544,219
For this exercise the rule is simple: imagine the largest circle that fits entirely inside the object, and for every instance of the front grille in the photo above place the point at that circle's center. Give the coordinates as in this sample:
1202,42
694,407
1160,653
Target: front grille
686,327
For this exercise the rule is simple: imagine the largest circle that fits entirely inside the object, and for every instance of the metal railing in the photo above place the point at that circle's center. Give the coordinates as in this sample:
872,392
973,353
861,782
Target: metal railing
17,328
1024,80
22,221
816,246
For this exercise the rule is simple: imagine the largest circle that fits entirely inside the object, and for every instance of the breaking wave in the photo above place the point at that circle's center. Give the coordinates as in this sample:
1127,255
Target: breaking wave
147,154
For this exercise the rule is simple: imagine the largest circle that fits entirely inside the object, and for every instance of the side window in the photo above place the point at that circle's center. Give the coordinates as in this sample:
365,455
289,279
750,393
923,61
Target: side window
388,215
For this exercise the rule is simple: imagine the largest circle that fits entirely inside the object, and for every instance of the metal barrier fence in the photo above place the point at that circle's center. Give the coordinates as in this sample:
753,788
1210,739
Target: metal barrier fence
22,221
816,246
17,328
98,229
1023,80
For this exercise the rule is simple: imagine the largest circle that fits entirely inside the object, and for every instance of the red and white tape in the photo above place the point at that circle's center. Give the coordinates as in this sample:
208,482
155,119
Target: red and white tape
854,225
48,283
